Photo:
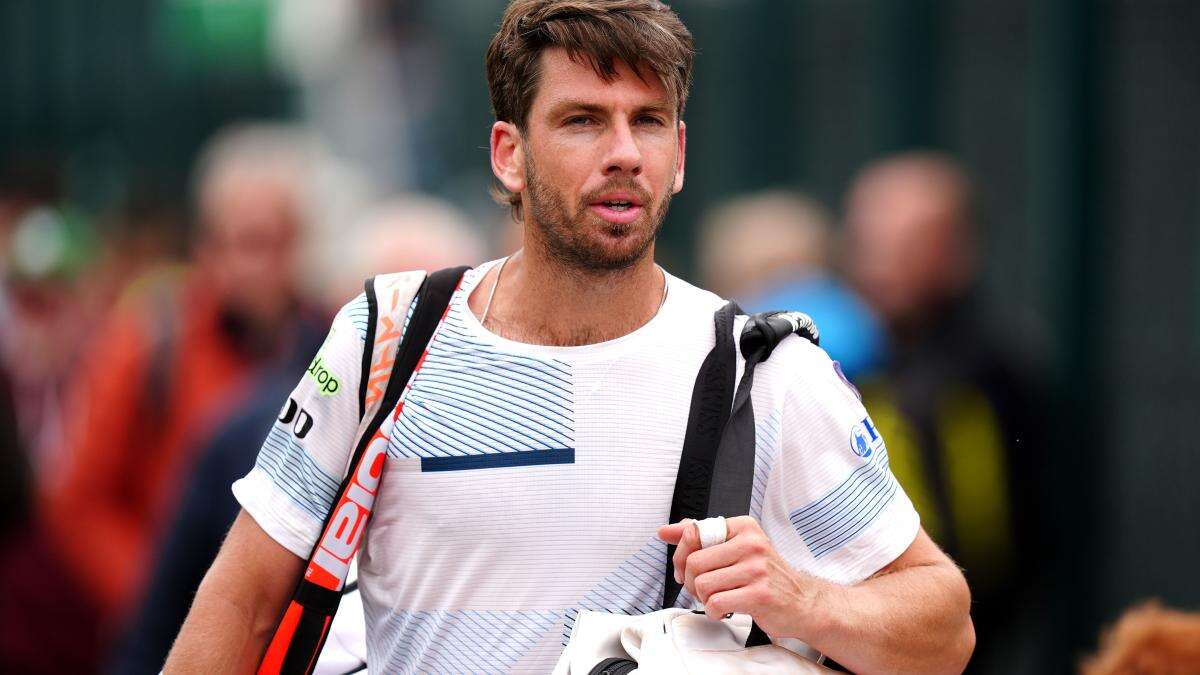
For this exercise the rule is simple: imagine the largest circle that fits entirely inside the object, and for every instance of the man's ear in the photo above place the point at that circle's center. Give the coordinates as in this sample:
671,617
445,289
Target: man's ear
682,156
508,158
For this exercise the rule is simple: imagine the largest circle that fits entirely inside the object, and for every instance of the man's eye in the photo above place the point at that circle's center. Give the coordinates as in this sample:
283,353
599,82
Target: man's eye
580,121
651,120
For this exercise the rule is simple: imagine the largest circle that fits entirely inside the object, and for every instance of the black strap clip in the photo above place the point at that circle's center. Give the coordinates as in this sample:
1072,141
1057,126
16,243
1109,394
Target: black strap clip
767,329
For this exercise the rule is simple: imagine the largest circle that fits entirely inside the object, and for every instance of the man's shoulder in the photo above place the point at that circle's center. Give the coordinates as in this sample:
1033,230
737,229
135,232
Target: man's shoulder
799,356
804,372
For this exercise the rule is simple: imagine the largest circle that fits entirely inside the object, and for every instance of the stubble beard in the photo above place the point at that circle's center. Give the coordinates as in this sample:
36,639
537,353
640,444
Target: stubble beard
565,233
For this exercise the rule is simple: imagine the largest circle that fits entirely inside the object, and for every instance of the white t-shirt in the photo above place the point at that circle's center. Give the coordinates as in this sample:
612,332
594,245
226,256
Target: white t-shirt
525,482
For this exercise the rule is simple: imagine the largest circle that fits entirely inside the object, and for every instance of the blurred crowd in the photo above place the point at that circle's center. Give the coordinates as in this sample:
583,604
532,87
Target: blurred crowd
147,341
144,353
140,369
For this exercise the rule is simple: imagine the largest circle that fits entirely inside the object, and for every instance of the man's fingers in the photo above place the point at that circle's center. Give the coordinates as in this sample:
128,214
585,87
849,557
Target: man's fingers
689,541
741,524
708,583
709,559
686,537
727,602
671,533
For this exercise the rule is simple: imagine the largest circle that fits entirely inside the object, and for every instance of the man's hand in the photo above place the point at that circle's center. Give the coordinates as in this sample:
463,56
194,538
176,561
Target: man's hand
745,574
912,616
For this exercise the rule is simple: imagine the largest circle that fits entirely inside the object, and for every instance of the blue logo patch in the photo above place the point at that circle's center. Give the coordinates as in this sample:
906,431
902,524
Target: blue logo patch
864,439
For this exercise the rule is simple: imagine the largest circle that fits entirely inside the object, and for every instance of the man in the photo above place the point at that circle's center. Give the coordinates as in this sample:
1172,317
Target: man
580,352
956,399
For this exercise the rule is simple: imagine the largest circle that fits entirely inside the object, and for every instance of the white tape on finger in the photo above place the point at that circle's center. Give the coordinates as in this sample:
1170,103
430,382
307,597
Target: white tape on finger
713,531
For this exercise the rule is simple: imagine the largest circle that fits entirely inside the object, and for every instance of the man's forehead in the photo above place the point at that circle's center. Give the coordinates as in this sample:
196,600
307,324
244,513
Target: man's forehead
564,80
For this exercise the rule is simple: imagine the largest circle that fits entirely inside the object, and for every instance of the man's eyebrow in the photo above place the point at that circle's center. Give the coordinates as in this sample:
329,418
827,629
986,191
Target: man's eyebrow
567,105
575,105
656,108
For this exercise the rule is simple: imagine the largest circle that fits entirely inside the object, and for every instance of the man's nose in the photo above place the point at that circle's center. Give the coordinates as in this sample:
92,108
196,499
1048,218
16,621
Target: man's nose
624,155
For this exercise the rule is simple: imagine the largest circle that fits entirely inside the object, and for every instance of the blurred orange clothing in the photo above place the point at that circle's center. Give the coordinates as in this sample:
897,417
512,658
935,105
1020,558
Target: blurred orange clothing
158,370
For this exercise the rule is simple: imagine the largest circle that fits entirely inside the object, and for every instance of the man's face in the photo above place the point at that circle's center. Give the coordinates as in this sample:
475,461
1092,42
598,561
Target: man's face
250,245
903,243
600,163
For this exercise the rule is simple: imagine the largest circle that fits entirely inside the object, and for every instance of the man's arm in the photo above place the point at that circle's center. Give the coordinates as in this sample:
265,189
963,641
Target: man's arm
913,616
238,604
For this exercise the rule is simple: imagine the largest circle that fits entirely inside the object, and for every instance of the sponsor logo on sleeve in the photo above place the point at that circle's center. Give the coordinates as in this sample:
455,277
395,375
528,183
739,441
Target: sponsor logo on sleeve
864,439
299,418
327,382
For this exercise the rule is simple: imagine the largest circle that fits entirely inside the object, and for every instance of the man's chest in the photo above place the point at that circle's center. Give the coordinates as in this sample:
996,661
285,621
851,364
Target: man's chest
473,406
502,465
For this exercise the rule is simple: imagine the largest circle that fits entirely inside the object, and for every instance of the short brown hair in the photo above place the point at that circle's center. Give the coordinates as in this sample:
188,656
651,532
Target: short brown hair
641,33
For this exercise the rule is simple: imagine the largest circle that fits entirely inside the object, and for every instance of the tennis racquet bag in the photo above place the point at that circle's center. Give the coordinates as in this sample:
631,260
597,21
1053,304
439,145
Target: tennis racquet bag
393,355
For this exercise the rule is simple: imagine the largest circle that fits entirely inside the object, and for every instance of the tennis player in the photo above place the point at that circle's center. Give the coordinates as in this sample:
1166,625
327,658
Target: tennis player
531,469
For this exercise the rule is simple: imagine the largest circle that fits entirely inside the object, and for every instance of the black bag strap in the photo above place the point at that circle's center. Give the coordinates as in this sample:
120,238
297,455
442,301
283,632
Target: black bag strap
712,398
733,473
432,299
368,350
716,466
305,623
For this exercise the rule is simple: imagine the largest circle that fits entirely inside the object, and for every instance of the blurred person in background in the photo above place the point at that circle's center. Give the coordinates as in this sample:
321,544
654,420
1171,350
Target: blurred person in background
175,355
774,250
49,283
48,259
409,232
406,232
14,469
957,400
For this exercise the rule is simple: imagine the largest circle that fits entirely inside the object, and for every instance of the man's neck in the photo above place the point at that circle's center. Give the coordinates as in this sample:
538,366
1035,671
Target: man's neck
540,301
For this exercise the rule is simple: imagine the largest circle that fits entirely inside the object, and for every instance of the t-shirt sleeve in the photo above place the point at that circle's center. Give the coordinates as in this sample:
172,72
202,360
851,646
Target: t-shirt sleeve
304,457
831,504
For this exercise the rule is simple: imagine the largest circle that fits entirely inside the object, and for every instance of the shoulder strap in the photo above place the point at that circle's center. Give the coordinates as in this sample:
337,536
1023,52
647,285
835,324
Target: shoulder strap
733,472
305,623
716,466
369,350
712,396
389,297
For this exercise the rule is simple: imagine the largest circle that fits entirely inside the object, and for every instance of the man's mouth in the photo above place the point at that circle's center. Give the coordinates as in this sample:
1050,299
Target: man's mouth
617,211
618,205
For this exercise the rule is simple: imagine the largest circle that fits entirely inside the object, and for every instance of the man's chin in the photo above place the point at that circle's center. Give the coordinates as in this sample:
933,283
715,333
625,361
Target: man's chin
618,246
603,252
622,254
